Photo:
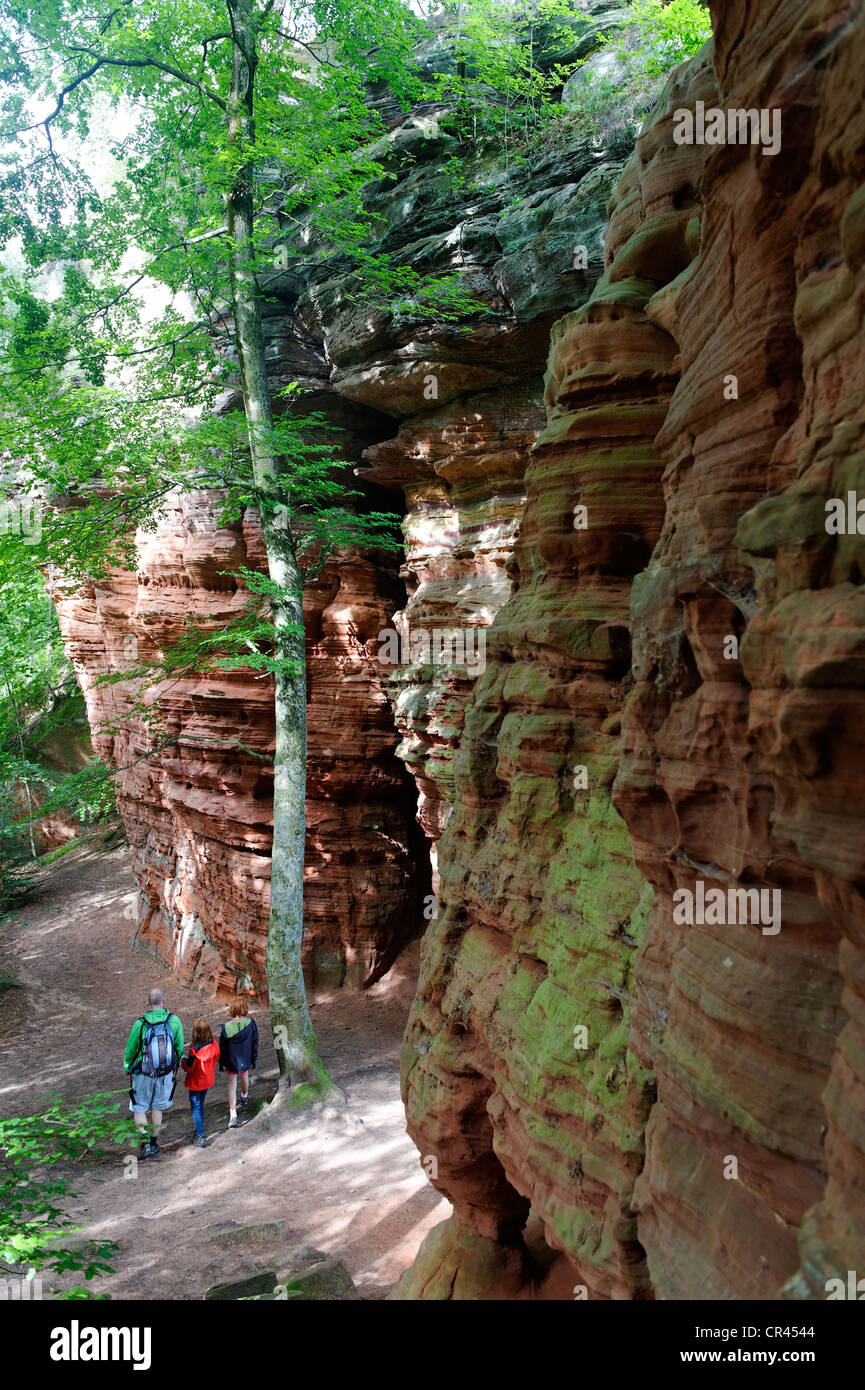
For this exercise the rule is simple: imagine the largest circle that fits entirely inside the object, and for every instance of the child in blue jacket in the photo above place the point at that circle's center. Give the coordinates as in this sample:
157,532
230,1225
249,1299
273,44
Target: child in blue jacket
238,1053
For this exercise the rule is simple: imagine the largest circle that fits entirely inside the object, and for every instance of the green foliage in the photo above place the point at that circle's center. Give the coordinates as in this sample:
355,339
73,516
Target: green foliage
58,853
86,795
455,170
666,32
36,680
505,83
652,38
34,1224
33,669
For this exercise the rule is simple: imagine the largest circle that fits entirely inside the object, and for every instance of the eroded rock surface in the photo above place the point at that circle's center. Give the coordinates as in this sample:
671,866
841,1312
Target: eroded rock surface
708,1141
444,413
745,1025
617,1103
196,790
517,1072
460,455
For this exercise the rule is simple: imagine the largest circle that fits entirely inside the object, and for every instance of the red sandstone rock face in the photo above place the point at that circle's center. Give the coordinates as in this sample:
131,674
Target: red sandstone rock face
516,1070
728,775
708,1142
462,470
196,793
582,1068
802,654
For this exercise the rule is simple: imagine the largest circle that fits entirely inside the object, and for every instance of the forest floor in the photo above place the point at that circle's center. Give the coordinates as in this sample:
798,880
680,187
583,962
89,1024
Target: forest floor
349,1183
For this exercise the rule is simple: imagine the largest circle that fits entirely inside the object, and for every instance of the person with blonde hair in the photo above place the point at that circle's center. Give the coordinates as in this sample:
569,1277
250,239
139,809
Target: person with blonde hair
238,1053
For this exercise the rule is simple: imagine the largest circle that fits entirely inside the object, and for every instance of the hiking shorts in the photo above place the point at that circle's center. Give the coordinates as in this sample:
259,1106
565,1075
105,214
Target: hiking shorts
150,1093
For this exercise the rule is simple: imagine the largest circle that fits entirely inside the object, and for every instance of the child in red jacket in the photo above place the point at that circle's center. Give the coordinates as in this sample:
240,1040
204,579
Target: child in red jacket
200,1068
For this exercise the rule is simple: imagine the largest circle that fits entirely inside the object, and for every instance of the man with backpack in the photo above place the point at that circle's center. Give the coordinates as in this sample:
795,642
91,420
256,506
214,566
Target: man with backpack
151,1059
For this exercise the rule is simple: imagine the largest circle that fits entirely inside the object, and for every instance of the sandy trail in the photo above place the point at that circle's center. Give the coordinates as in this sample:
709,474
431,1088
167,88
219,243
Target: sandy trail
351,1185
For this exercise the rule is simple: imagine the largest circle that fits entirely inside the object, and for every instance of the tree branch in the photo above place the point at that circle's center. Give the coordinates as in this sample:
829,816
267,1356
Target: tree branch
61,98
181,76
292,38
183,243
259,25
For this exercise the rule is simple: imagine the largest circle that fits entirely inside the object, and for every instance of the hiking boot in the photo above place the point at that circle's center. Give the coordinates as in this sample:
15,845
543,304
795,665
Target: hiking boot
143,1149
232,1123
152,1149
199,1142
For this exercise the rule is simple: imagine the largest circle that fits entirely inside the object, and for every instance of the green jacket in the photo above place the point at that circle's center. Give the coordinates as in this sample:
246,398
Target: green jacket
135,1044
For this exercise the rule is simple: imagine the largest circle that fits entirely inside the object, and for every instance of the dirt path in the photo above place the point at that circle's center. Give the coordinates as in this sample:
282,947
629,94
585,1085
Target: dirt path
350,1185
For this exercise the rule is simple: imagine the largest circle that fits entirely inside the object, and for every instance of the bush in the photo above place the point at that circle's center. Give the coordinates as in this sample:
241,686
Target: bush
34,1226
666,33
87,795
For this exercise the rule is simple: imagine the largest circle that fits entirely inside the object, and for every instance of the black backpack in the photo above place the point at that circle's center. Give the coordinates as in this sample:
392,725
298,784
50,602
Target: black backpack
159,1054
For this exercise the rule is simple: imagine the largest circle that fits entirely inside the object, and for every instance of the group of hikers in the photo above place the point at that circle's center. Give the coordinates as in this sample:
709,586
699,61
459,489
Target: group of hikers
155,1050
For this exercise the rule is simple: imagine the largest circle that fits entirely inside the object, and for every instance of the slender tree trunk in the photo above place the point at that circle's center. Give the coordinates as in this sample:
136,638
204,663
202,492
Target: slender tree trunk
24,780
292,1027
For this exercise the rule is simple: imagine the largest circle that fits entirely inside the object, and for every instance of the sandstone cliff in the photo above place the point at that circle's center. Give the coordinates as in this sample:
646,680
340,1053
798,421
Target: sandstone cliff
707,1141
196,790
619,1104
443,414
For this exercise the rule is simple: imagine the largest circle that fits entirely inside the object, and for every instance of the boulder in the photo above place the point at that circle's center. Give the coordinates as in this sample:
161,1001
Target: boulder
325,1282
292,1258
260,1281
264,1233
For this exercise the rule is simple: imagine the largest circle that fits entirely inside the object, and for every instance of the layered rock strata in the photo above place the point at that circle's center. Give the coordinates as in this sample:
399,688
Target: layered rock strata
743,1023
802,653
464,400
517,1074
707,1142
195,789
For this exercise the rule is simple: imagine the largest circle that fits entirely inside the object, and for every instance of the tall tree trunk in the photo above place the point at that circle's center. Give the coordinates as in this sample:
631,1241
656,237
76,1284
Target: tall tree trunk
292,1027
24,781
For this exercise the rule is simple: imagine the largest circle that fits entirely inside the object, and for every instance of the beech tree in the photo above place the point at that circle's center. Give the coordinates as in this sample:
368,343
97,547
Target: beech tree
227,122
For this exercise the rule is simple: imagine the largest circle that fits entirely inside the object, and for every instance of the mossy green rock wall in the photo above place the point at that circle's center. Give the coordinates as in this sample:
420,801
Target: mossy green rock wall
518,1075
